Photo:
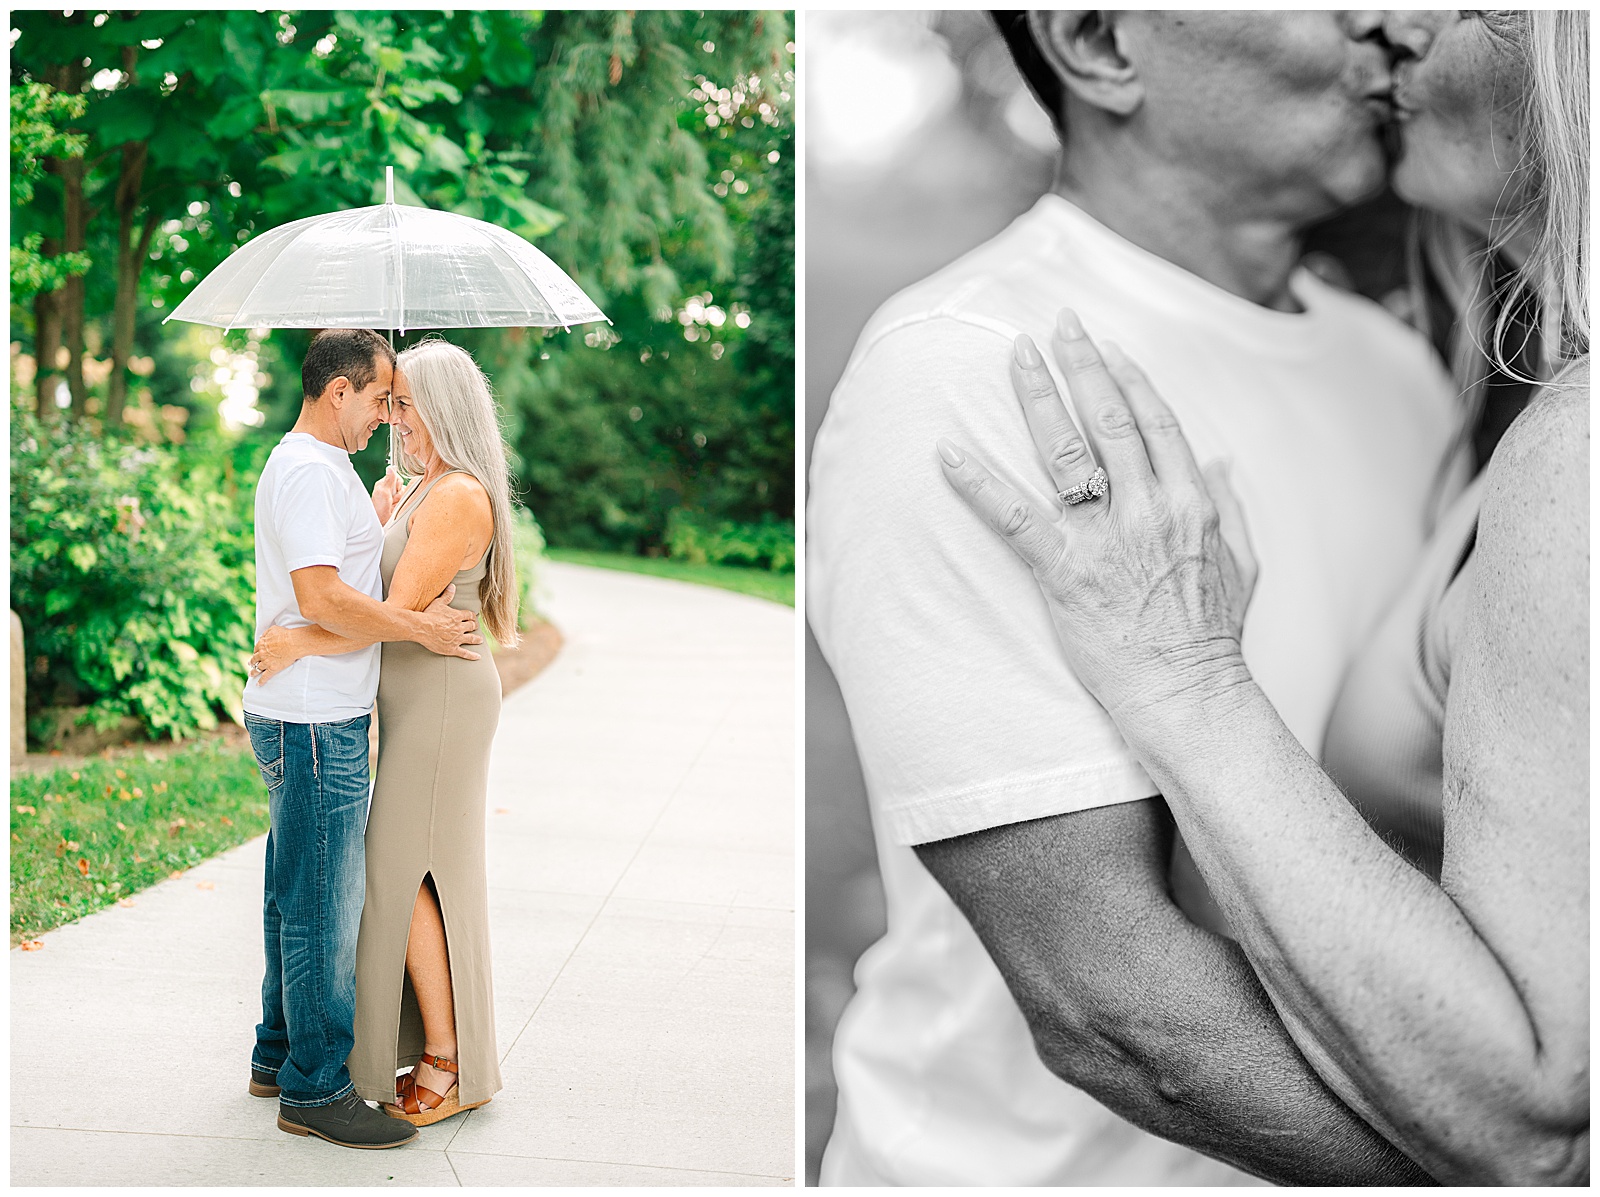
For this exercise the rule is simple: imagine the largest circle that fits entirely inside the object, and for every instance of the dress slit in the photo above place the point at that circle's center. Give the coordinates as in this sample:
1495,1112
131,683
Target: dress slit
403,1059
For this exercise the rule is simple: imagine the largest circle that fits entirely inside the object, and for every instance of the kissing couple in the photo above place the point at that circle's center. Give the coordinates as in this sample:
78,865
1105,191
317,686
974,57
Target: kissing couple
1194,878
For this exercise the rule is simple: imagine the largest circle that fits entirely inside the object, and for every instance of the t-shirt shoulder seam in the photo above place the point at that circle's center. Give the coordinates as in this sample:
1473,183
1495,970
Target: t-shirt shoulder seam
947,309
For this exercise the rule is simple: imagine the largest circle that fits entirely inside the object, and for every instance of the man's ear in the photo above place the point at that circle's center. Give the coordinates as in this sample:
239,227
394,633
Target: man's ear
1085,50
338,391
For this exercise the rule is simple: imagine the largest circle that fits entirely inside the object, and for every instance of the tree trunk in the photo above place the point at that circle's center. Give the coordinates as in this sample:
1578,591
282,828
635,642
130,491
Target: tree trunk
73,241
132,245
46,343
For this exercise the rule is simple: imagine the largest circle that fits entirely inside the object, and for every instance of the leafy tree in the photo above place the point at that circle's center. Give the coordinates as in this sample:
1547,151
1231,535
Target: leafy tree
39,116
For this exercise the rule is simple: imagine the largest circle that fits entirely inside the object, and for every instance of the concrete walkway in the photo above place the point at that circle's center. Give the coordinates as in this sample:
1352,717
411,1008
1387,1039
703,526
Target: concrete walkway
641,895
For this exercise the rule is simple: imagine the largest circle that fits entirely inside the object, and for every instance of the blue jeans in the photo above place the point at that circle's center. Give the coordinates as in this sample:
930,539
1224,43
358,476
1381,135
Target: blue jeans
317,786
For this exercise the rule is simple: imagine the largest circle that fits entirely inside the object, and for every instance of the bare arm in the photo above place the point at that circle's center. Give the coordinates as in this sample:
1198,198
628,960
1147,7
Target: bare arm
1456,1014
1159,1020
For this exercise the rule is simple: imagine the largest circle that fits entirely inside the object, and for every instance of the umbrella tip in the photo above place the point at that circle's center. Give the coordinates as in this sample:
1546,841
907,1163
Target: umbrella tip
388,184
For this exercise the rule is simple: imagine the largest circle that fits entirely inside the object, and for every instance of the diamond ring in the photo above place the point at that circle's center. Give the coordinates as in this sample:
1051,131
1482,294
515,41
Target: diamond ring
1096,486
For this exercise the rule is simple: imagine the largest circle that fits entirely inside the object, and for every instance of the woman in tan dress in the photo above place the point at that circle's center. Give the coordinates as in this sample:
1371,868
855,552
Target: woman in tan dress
424,996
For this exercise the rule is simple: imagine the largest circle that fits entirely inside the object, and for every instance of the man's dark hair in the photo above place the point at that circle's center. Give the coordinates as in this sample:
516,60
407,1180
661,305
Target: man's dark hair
351,353
1035,68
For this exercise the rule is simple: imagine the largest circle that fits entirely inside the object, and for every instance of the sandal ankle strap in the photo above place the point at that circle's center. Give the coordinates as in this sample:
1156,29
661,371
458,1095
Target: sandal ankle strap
441,1063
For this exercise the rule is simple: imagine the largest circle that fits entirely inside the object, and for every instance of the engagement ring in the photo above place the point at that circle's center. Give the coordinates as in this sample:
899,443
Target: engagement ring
1096,487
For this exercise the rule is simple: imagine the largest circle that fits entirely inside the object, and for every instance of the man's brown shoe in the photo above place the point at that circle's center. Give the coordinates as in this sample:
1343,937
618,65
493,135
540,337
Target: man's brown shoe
263,1083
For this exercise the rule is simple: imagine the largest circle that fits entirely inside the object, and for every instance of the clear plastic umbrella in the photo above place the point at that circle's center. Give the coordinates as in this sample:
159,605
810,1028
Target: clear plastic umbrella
387,267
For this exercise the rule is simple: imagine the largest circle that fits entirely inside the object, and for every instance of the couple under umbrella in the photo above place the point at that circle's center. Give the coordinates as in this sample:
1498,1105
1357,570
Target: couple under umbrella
376,925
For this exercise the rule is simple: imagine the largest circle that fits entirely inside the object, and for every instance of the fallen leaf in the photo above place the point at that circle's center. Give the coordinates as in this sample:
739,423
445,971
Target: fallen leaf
108,791
26,810
226,820
120,827
32,945
83,866
205,885
160,787
137,792
175,874
74,777
121,775
16,837
502,810
72,845
137,859
124,901
61,847
123,795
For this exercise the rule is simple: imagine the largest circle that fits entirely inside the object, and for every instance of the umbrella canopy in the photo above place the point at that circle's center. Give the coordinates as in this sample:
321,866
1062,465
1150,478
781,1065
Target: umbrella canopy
390,267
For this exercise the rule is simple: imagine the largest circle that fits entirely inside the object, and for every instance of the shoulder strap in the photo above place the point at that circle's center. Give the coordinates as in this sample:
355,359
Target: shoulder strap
417,496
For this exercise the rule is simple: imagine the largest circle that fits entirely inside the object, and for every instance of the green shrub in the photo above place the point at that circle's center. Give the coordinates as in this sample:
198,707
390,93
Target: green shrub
132,569
768,544
528,539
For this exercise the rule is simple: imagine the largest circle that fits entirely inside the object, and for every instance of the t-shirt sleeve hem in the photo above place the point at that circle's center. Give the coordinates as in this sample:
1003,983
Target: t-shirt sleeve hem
310,559
926,820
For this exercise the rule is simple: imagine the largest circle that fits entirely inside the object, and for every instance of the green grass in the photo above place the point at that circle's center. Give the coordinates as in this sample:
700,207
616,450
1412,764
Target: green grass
777,588
84,838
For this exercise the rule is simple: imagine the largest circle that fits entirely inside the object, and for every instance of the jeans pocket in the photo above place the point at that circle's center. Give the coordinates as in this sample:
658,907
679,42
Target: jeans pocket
266,740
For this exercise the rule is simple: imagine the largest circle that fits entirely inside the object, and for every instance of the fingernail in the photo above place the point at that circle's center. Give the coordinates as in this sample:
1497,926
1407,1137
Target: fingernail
952,456
1068,325
1027,353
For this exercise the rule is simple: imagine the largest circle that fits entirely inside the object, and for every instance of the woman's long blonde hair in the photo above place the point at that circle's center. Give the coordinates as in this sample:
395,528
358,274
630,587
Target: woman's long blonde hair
1552,176
453,400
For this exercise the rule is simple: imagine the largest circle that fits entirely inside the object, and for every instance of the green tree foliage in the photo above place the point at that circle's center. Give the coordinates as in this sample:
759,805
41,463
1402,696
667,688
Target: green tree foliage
39,116
606,135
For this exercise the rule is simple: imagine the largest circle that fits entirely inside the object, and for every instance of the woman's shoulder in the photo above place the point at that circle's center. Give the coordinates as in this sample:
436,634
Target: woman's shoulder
1533,530
461,484
455,496
1546,449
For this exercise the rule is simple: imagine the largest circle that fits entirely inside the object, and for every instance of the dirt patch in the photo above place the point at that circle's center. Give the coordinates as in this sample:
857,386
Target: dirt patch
150,750
519,666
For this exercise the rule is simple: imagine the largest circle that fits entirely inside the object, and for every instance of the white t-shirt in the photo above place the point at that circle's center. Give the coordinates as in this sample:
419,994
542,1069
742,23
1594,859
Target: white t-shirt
965,713
311,509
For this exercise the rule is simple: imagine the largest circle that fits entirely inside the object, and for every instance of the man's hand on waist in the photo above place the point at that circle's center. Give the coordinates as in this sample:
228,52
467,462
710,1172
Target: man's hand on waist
444,630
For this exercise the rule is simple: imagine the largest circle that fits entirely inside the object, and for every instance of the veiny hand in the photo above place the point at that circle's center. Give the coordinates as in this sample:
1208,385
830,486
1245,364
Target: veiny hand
272,654
448,630
1148,585
385,494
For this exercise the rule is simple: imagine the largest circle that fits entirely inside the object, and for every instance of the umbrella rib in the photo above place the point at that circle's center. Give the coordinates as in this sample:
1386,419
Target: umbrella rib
494,243
262,275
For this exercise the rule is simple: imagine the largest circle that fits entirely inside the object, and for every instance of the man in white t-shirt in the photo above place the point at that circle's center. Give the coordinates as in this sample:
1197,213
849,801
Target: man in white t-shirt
1041,1008
319,539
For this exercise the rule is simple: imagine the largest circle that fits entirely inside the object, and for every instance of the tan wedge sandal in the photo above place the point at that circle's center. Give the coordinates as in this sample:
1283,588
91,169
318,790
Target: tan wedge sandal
421,1106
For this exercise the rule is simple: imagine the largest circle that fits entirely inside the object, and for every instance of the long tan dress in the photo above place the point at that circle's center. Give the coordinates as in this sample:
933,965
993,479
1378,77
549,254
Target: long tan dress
436,720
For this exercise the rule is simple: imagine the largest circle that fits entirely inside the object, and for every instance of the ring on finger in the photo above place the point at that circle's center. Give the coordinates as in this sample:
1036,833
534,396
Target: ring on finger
1096,486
